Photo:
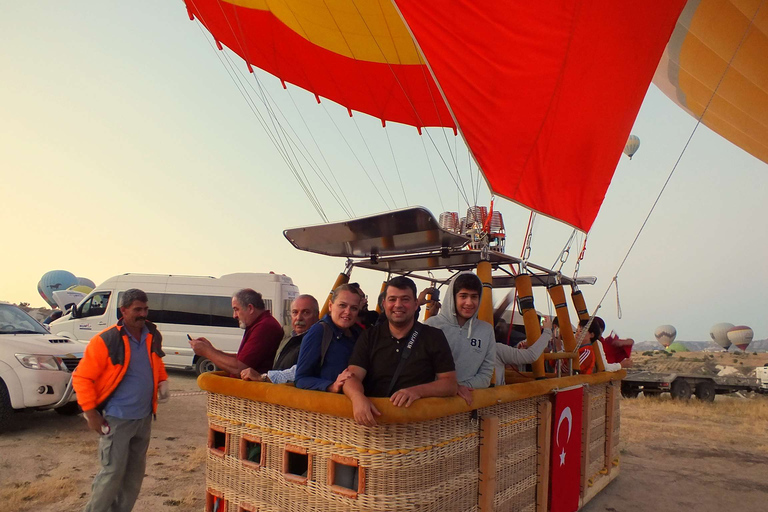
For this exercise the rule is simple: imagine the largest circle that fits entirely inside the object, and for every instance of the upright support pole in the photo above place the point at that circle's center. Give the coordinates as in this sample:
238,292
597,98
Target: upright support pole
342,279
381,290
530,318
485,313
610,407
586,421
579,303
557,294
428,310
544,441
489,451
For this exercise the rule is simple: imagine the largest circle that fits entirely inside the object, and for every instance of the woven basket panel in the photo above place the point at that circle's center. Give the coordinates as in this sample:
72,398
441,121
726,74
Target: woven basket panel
516,462
597,403
435,468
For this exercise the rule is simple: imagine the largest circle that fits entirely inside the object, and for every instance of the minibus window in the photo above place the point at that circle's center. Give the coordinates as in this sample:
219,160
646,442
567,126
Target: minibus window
221,312
96,305
187,309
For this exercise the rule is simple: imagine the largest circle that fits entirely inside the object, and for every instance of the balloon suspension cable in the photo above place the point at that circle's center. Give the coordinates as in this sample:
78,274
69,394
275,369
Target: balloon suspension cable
685,147
578,262
564,253
525,253
461,189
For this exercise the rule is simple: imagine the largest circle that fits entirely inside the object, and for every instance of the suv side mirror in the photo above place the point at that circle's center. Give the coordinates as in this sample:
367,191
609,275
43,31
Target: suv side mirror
75,312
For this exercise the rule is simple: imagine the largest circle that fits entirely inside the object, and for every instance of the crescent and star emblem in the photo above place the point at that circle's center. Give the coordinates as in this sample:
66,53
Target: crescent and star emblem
565,415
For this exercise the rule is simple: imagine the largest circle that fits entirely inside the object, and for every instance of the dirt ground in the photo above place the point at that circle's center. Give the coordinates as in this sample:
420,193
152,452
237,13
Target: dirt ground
674,456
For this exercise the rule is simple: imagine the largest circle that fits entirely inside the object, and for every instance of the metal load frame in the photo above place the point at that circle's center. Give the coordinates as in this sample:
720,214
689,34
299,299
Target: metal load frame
410,242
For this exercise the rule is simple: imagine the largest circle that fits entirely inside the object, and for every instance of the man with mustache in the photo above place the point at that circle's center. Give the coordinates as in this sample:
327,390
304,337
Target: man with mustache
118,383
304,314
263,334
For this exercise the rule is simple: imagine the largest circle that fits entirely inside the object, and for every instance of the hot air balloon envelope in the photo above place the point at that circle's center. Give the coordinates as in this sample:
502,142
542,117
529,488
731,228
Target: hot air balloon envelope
719,334
55,280
741,336
84,281
633,144
716,59
665,334
81,288
535,87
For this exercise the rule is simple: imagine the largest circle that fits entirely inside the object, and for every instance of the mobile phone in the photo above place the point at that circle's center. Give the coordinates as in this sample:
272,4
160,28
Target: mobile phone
189,337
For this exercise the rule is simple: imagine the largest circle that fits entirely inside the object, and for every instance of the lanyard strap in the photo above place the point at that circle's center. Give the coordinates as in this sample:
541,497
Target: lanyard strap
403,356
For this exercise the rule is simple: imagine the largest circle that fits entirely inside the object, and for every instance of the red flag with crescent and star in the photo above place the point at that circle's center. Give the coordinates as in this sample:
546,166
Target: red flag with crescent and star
565,465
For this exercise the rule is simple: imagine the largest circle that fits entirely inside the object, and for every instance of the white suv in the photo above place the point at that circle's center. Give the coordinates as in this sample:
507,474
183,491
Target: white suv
35,366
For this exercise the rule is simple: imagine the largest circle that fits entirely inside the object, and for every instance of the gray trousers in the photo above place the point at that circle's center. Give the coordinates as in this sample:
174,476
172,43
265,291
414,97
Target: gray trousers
123,457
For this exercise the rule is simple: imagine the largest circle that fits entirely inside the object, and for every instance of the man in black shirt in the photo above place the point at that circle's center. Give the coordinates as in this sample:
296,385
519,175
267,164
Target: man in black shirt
401,358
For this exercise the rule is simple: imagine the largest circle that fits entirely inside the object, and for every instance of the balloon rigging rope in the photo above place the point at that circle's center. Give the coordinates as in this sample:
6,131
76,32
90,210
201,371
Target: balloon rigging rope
281,149
459,183
375,164
278,144
281,146
614,281
350,211
432,172
397,168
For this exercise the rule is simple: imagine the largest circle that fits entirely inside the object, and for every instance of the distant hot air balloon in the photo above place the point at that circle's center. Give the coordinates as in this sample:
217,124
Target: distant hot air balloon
741,336
719,334
633,144
84,281
716,60
665,334
81,288
53,281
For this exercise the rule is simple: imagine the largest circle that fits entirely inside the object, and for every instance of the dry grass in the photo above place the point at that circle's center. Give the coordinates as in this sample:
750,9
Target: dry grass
21,496
195,460
728,421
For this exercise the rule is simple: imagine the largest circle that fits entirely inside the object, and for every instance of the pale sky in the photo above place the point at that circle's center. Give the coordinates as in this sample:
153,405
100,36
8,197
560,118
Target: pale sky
126,147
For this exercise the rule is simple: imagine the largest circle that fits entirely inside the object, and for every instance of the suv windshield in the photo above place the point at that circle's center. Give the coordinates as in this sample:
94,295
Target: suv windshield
15,321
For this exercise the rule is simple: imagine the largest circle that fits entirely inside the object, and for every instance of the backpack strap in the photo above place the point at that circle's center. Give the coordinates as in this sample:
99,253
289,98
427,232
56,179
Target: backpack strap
403,356
327,338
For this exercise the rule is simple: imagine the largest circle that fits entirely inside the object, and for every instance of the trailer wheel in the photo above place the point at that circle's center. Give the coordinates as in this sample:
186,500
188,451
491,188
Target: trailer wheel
681,389
5,407
203,365
629,391
705,391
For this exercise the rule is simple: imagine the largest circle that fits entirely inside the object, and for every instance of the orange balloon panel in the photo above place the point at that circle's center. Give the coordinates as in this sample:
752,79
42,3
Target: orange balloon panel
705,40
545,92
359,54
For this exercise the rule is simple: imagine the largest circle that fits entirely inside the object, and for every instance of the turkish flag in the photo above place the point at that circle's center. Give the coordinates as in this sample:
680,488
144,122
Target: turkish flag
565,466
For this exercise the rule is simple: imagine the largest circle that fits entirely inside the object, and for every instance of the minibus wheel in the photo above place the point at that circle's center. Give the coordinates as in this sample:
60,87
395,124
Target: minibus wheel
203,365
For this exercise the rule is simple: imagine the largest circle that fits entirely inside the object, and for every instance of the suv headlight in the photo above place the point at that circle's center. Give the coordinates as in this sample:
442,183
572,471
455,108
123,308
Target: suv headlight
40,362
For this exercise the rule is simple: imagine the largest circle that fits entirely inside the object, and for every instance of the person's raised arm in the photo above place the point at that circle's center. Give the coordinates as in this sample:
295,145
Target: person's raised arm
229,362
609,367
363,410
444,385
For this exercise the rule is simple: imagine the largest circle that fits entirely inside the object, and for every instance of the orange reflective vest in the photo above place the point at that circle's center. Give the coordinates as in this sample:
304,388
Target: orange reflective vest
106,360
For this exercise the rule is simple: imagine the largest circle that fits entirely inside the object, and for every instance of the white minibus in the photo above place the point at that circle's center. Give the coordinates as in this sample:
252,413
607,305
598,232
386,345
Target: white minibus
180,306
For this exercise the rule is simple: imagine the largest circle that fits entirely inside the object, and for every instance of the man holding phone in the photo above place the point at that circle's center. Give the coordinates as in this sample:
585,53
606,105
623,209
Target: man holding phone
262,337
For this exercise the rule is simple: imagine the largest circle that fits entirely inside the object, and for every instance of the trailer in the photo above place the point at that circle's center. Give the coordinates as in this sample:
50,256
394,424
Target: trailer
684,385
